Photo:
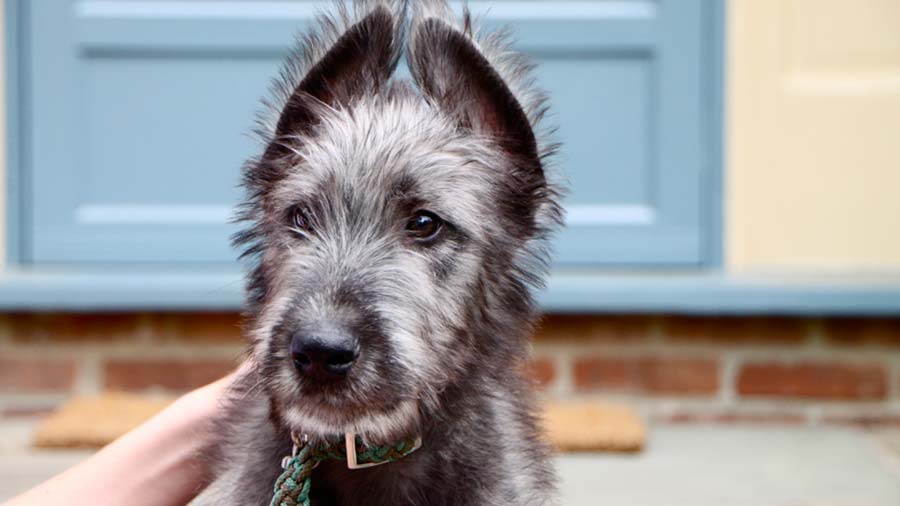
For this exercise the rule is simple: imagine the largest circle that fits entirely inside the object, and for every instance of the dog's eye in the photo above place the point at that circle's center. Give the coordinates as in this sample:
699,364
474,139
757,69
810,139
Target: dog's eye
424,226
299,220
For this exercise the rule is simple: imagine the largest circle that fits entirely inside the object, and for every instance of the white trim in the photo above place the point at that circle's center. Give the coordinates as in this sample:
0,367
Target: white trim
586,215
162,214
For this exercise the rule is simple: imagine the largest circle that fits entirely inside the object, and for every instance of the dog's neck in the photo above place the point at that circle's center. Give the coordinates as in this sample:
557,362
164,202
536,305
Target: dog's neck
456,443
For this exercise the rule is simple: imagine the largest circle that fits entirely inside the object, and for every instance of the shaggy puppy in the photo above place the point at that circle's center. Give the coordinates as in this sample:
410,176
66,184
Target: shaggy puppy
397,229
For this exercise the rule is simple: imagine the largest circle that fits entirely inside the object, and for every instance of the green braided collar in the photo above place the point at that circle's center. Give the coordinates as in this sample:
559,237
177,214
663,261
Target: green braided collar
292,487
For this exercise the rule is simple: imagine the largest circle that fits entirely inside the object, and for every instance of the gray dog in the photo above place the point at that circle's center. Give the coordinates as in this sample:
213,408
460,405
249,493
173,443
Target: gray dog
397,229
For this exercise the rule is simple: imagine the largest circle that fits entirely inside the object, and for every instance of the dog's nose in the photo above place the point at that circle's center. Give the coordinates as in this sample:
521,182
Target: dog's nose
323,357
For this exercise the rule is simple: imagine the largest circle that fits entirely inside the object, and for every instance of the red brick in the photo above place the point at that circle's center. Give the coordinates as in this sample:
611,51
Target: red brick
30,375
70,327
224,327
176,375
863,331
731,417
864,420
735,330
654,375
27,411
556,327
815,380
541,370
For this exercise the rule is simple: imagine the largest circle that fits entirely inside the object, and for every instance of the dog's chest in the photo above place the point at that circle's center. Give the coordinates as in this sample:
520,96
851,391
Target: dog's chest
404,482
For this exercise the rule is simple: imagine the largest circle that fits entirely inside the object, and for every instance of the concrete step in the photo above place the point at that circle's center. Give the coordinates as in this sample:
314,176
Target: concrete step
689,466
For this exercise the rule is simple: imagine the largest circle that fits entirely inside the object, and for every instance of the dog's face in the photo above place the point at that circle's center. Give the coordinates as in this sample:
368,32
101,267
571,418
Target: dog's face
392,226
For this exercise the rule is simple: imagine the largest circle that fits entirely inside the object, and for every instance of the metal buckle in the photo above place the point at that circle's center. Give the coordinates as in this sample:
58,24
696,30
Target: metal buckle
350,441
299,442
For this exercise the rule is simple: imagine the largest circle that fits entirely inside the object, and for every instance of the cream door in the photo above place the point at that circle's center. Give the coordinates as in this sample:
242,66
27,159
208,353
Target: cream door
814,135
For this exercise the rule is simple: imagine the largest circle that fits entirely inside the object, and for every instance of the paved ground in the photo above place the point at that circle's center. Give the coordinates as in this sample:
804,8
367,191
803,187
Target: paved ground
742,466
690,466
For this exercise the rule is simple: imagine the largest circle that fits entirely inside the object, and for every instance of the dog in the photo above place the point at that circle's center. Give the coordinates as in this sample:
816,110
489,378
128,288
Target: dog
397,229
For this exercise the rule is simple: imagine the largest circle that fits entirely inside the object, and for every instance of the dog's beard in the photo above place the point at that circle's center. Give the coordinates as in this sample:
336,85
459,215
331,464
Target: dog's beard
368,407
378,426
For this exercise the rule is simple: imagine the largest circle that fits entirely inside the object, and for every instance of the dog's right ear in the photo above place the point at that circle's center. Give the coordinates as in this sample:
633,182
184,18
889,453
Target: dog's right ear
346,58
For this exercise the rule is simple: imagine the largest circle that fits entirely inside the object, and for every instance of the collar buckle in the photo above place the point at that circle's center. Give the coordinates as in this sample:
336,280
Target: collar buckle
352,462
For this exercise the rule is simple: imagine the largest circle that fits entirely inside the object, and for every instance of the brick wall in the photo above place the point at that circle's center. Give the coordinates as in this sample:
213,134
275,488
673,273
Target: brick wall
46,357
717,369
673,369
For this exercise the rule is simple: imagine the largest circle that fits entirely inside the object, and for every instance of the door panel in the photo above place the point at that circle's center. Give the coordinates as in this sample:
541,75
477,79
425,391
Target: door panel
138,113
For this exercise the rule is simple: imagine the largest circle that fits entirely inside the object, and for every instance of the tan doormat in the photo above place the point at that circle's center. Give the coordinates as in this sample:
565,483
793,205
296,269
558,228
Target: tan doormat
92,422
95,421
591,426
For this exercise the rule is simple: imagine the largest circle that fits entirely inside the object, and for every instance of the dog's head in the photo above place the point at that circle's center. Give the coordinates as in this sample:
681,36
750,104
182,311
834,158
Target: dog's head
397,227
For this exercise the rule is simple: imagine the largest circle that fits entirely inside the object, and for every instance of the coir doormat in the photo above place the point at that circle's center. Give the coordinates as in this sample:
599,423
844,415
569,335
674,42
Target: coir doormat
92,422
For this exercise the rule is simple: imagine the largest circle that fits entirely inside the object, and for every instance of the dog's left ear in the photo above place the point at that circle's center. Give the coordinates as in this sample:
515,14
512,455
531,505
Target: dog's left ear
451,71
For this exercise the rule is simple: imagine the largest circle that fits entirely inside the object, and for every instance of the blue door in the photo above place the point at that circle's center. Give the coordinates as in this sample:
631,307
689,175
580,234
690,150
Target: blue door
136,113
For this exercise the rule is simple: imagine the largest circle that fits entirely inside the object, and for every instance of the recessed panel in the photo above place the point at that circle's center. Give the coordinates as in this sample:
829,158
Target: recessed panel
602,106
158,148
169,130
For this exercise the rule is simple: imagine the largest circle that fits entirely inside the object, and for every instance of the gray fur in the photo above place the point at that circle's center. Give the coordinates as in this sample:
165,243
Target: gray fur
443,327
